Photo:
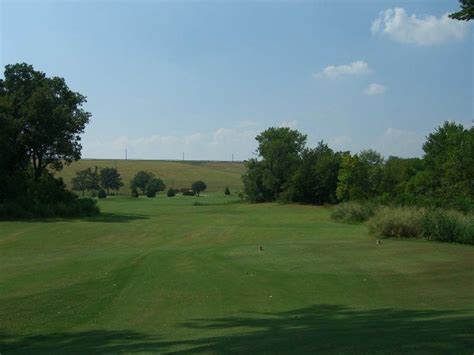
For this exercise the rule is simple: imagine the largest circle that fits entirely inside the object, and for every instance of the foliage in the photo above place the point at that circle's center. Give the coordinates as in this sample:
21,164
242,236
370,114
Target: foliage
280,152
227,191
397,222
353,212
141,180
171,192
198,187
102,193
46,117
154,186
86,180
315,178
134,192
110,179
466,13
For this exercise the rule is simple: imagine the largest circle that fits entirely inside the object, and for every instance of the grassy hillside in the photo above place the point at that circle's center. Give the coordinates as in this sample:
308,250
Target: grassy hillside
217,175
164,275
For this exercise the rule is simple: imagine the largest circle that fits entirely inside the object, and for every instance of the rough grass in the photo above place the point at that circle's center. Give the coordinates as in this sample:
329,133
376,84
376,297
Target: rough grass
217,175
161,276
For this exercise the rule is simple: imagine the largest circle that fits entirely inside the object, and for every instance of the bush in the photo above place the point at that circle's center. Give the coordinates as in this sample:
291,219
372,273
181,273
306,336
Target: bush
448,226
188,193
171,192
227,191
102,194
134,193
151,193
397,222
353,212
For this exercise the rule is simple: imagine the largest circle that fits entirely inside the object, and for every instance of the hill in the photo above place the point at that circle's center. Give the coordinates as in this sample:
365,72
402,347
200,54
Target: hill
217,175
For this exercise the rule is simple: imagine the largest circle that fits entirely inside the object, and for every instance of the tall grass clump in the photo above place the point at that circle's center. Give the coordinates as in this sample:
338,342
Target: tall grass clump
435,224
448,226
353,212
397,222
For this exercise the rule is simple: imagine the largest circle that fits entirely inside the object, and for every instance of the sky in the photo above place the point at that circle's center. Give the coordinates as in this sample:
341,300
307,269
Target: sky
203,78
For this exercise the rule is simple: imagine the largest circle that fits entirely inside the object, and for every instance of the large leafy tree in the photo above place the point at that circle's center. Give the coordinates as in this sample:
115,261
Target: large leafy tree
47,118
280,152
315,179
467,11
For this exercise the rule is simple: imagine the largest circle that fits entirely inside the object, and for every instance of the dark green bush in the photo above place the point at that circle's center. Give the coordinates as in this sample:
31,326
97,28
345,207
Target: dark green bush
151,193
227,191
448,226
101,194
134,193
171,192
353,212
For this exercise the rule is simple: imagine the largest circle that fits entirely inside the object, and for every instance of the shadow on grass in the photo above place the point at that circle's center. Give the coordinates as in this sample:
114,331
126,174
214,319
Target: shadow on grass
316,329
102,217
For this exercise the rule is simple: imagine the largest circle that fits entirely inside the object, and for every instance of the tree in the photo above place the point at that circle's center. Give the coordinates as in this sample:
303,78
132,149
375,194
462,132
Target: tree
48,117
315,179
154,186
86,180
198,187
140,180
171,192
227,191
110,179
280,152
466,13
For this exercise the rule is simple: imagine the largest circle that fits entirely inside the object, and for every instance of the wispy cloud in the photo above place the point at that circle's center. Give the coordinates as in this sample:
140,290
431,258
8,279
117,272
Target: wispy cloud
427,30
290,124
335,71
375,89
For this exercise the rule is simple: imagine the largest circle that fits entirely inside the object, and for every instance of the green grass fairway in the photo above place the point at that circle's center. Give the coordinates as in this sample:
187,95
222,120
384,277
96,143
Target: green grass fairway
165,276
217,175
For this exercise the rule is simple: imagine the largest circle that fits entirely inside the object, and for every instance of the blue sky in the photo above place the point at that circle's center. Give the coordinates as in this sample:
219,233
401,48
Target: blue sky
204,77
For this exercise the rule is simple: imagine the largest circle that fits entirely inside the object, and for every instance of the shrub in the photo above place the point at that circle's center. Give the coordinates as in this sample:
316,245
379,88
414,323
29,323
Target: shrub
227,191
154,186
171,192
134,193
448,226
353,212
151,193
397,222
188,193
102,194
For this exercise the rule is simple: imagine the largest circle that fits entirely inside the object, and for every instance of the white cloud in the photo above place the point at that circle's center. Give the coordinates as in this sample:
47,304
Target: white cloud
375,89
397,25
341,143
336,71
219,144
290,124
400,143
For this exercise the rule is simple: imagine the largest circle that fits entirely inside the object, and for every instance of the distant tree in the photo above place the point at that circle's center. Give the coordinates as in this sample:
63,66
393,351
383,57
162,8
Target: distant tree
86,180
141,179
48,117
198,187
80,182
171,192
134,193
110,179
466,13
352,179
154,186
227,191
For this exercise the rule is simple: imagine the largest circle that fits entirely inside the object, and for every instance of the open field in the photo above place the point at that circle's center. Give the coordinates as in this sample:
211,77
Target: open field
217,175
164,275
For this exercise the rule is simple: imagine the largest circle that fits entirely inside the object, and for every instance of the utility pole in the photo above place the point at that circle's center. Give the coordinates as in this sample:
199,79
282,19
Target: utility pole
183,156
125,153
232,157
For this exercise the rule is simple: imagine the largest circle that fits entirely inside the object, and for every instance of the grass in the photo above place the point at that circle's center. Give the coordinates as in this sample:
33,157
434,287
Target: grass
164,276
217,175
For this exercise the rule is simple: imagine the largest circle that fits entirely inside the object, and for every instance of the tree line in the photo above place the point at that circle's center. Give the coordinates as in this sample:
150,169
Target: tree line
287,170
